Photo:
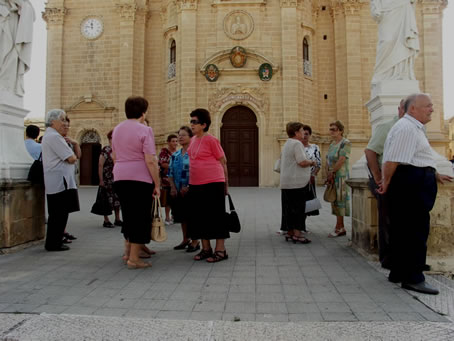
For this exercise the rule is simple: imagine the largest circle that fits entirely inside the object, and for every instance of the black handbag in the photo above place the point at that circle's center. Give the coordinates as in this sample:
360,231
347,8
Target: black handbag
36,172
231,218
102,205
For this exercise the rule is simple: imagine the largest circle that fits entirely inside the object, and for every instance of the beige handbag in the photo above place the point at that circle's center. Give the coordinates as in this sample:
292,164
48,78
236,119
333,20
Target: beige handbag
158,230
330,193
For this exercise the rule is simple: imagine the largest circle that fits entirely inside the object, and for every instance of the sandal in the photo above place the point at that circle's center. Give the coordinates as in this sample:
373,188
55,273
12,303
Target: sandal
204,254
288,236
137,265
337,233
182,245
218,256
300,239
193,248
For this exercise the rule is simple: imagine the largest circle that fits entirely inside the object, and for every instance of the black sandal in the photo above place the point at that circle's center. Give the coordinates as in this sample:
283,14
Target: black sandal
218,256
204,254
300,239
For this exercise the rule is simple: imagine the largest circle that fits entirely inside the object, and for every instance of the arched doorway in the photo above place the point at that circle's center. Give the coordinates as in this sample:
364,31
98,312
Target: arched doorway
91,148
239,138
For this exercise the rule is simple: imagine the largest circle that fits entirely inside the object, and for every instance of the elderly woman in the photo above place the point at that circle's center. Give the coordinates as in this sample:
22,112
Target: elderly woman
208,185
313,154
164,160
179,183
59,179
136,175
294,178
337,173
106,180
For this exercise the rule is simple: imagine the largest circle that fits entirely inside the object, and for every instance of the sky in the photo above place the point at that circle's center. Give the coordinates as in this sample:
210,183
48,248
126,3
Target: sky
35,79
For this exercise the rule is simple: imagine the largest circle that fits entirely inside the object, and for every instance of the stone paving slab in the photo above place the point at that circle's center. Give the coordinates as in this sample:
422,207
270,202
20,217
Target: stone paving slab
72,327
264,279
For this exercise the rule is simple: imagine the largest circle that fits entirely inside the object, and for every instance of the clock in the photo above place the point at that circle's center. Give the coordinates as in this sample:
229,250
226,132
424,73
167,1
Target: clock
91,28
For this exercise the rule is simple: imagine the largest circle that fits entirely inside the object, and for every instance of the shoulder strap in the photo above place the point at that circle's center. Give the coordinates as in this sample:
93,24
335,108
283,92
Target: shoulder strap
231,207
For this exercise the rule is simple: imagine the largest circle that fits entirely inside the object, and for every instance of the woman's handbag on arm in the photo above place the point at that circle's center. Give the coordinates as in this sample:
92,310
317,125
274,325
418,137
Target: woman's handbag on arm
158,230
314,204
231,218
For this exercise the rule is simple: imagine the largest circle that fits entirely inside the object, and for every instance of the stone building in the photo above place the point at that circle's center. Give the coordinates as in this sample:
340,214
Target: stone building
255,64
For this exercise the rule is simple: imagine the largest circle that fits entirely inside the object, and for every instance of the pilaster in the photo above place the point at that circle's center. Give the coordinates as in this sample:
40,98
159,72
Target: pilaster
289,34
186,72
431,30
54,17
127,12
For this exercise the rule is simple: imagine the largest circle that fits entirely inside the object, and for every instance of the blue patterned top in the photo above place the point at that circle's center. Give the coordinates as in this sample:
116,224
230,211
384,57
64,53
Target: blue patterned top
179,169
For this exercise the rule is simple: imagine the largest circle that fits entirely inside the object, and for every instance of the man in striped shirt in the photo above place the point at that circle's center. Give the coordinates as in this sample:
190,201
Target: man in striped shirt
410,183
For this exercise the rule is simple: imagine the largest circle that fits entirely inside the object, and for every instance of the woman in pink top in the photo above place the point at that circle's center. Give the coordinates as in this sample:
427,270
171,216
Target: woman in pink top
208,184
136,174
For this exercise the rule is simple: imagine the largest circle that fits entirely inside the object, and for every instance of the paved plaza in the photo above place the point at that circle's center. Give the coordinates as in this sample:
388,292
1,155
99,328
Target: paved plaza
265,285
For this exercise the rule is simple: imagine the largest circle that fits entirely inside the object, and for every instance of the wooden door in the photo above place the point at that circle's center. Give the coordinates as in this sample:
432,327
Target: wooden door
89,163
239,139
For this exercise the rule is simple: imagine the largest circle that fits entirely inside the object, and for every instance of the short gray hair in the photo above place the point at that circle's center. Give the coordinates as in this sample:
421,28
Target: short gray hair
53,115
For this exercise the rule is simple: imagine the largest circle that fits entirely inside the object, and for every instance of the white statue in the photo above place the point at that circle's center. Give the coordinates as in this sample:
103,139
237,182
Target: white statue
16,34
398,43
238,27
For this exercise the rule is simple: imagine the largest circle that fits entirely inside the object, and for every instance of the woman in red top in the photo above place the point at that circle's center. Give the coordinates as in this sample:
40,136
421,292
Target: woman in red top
208,185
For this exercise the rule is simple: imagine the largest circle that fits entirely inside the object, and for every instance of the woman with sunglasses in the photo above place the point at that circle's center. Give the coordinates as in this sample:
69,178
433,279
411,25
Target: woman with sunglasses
208,185
337,173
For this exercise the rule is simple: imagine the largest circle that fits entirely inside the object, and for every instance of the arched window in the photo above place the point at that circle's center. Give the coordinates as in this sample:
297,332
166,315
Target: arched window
172,70
305,50
307,67
173,52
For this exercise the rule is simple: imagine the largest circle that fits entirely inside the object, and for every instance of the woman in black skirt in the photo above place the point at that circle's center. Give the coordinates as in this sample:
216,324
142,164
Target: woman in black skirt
208,185
136,175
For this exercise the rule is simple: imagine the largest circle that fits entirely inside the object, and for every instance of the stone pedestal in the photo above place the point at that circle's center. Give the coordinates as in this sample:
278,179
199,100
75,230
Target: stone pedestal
440,249
364,219
22,205
21,213
14,158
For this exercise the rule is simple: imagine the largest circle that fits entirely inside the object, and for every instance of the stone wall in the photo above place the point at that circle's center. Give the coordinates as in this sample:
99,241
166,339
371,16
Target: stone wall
21,213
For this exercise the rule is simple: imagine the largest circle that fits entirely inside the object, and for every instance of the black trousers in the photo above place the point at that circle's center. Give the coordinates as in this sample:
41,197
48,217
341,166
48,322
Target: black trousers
411,196
384,251
59,206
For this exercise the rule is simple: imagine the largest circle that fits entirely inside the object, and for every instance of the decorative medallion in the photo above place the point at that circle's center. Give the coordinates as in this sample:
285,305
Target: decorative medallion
238,56
211,73
265,72
238,25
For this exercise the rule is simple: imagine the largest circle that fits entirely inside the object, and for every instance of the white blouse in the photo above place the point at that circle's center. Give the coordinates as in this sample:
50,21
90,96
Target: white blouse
292,174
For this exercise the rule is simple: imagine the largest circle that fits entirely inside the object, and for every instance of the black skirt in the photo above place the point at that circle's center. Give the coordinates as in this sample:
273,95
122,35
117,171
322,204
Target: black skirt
180,208
293,206
206,212
136,200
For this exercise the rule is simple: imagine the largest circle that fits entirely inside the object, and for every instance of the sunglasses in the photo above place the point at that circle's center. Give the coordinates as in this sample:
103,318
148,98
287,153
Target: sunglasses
333,129
194,122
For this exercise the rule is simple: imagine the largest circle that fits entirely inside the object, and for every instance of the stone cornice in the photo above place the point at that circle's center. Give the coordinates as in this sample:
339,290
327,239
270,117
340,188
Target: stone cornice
183,5
54,15
127,11
433,6
289,3
351,7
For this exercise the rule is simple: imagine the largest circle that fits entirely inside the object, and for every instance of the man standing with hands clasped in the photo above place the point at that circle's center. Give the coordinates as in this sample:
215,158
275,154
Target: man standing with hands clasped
410,181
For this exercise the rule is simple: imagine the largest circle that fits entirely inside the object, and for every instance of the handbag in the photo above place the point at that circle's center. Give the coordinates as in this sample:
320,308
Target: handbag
158,230
330,193
36,172
101,205
277,166
313,204
231,218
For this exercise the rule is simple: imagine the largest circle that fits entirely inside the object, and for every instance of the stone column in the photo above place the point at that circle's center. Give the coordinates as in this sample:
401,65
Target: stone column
54,15
127,13
139,47
289,29
186,50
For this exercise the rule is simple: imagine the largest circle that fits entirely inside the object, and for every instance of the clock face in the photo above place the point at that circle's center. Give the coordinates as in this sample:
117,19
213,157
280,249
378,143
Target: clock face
91,28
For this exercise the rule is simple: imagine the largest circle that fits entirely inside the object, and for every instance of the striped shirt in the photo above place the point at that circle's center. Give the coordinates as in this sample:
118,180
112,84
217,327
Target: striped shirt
407,144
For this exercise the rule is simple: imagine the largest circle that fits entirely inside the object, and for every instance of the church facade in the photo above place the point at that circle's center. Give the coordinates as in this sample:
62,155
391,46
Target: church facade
254,64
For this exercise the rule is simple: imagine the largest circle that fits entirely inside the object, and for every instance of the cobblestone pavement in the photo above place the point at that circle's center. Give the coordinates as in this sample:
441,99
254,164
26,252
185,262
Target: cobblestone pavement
265,279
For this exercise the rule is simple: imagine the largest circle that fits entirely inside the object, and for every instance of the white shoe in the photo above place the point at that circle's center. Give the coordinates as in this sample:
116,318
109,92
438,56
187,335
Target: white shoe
169,222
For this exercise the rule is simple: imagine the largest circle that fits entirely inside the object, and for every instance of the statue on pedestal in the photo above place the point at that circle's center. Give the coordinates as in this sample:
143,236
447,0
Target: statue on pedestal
398,43
16,35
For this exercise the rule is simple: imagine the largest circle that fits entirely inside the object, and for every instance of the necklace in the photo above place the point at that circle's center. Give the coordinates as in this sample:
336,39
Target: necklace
194,155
